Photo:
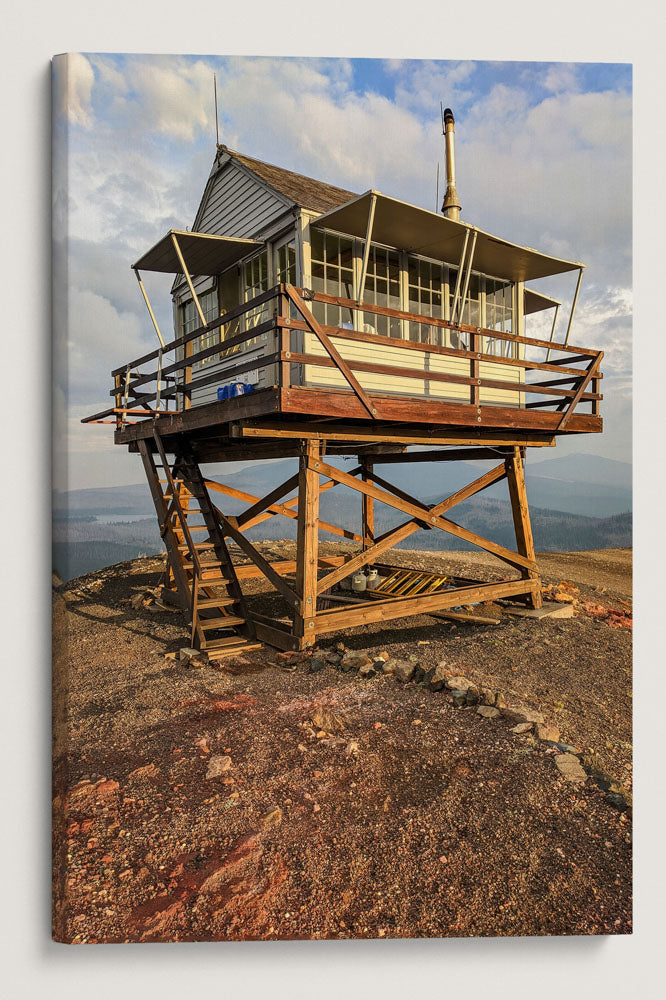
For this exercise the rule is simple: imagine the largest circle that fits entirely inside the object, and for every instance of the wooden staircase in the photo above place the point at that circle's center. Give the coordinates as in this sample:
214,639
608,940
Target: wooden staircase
201,572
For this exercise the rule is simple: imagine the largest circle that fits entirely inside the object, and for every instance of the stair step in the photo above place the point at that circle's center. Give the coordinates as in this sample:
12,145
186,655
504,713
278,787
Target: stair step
225,621
216,602
213,581
233,644
205,566
232,650
199,546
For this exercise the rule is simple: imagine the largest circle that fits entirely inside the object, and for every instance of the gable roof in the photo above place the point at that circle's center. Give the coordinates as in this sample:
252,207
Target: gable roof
304,191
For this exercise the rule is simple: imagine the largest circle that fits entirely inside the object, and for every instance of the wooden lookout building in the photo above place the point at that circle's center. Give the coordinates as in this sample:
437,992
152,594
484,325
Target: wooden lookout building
312,322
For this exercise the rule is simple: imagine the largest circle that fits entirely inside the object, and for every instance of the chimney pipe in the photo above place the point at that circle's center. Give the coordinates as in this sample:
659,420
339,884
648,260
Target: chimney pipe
450,205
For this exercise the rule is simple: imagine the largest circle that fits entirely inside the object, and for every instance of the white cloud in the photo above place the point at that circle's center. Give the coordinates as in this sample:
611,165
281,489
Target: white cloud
560,77
74,83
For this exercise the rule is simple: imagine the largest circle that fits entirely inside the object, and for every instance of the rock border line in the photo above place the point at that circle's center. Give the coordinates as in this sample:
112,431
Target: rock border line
572,764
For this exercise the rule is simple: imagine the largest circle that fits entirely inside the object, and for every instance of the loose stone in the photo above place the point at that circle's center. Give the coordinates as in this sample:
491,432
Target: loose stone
519,713
404,671
472,695
438,679
217,765
548,733
326,720
570,768
488,696
522,727
458,683
354,660
272,817
488,712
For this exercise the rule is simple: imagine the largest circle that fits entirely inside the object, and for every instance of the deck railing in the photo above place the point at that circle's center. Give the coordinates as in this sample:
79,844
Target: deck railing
574,372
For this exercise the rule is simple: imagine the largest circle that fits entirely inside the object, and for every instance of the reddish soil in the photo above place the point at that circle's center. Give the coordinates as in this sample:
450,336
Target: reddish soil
415,819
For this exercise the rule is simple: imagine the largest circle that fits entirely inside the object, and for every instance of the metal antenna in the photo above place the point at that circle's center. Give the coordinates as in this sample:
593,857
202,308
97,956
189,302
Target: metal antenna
437,190
217,121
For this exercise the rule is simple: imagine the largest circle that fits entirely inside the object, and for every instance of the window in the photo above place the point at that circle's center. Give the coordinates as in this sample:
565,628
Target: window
382,288
255,281
285,263
470,315
190,320
332,273
499,315
425,283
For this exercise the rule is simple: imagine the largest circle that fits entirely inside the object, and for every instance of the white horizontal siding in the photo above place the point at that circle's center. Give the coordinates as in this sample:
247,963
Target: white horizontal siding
392,385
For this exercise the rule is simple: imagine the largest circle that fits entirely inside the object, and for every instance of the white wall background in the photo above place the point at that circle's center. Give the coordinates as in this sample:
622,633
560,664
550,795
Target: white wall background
31,965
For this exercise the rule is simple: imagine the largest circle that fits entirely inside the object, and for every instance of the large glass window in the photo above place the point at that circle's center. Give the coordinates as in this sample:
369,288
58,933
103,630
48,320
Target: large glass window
426,285
255,281
190,320
499,315
332,273
382,288
285,263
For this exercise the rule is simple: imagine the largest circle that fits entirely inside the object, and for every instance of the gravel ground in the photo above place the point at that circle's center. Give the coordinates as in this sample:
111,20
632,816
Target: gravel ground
405,817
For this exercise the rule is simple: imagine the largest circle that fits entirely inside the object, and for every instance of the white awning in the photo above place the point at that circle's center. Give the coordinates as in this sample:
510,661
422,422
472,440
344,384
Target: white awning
203,253
417,230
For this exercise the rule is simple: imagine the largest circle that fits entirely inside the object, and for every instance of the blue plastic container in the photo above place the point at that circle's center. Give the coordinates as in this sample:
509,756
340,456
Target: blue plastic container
233,389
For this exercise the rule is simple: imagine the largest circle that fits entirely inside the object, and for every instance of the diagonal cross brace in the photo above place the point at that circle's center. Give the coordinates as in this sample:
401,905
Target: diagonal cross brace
391,538
418,515
332,351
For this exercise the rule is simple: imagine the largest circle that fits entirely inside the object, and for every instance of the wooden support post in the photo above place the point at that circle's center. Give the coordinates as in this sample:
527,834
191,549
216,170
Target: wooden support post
187,377
515,472
284,342
368,509
474,369
308,542
118,400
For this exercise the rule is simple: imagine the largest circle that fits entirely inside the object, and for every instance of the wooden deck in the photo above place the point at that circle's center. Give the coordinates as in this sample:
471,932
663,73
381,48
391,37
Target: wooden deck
560,395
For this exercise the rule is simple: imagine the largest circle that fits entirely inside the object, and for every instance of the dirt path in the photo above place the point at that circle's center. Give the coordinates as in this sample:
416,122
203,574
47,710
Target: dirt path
414,819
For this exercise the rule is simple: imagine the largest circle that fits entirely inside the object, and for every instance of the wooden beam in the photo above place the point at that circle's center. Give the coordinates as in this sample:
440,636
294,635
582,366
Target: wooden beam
367,507
391,538
274,635
521,520
406,410
248,548
454,455
591,371
271,428
420,513
285,509
308,536
404,607
332,351
268,501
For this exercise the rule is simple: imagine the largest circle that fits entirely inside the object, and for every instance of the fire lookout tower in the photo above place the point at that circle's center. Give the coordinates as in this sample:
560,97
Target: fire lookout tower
312,322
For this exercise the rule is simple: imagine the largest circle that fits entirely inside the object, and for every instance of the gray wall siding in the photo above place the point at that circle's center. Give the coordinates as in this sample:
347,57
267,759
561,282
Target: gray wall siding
238,205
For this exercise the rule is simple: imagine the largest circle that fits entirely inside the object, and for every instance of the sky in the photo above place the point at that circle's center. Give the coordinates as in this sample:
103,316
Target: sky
543,158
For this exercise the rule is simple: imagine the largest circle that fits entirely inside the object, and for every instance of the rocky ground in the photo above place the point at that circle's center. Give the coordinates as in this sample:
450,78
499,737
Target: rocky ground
416,779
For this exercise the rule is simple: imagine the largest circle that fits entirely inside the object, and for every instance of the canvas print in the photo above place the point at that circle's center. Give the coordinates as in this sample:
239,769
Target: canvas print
342,498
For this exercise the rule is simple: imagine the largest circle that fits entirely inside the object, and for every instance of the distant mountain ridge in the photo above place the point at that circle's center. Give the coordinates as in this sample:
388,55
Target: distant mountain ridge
588,485
568,512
